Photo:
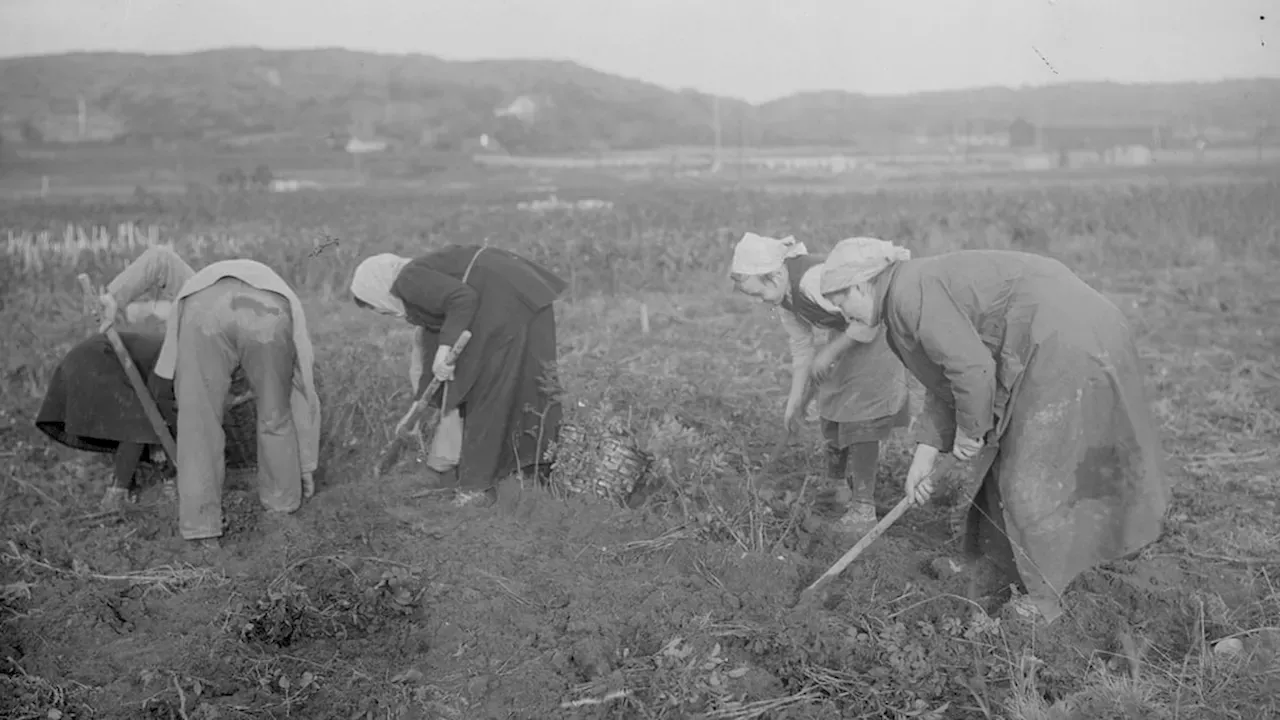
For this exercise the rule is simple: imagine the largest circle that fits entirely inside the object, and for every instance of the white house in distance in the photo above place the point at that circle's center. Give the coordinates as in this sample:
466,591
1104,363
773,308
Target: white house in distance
523,108
357,146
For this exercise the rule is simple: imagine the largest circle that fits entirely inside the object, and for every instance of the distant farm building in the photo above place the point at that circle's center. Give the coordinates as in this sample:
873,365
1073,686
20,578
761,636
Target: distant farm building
1130,155
1073,146
358,146
1023,134
524,108
83,124
820,163
293,185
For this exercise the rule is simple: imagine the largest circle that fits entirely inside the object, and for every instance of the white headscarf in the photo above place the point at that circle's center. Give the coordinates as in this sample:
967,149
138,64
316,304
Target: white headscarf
856,260
373,279
760,255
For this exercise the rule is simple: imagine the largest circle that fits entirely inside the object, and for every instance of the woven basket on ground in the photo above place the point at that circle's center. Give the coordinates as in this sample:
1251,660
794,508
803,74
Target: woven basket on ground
604,463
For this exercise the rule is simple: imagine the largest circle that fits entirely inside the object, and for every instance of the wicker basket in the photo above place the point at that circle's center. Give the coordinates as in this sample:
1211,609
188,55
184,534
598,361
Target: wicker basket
603,463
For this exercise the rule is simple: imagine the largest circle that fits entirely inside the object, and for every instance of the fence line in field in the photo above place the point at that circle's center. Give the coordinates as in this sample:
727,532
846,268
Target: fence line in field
34,251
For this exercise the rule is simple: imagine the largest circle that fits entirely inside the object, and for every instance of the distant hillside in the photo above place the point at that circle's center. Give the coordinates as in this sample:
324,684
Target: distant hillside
531,105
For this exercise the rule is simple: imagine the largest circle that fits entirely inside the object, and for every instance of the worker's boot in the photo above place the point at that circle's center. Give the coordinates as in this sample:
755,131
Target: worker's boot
860,512
837,465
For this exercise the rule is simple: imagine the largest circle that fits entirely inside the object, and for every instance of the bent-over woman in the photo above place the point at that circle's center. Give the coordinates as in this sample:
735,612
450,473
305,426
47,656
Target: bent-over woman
860,385
501,396
90,404
231,314
1018,353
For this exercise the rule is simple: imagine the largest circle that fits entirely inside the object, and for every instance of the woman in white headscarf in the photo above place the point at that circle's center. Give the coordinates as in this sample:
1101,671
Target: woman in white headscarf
860,386
499,411
1021,356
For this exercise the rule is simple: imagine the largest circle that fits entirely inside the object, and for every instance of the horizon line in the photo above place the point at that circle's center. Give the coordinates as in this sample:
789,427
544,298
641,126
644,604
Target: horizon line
815,91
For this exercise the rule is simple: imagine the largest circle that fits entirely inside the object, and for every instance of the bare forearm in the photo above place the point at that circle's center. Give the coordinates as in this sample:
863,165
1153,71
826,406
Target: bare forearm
134,281
159,268
799,381
416,351
936,423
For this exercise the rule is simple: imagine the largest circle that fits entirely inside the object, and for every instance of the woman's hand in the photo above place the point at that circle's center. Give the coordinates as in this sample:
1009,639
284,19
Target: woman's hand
965,447
109,312
441,367
920,474
798,403
308,485
823,362
792,415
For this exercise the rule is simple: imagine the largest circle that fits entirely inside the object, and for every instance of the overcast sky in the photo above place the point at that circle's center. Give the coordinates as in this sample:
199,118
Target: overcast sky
753,49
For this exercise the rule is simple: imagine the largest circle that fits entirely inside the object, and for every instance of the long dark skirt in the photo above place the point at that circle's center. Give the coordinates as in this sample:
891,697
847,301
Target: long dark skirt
513,413
91,405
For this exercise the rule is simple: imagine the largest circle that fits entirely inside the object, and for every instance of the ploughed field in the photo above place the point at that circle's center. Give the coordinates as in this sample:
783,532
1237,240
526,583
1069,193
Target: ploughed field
377,600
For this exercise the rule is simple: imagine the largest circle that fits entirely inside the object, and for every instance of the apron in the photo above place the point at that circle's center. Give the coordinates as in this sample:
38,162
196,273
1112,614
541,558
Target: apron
868,383
446,446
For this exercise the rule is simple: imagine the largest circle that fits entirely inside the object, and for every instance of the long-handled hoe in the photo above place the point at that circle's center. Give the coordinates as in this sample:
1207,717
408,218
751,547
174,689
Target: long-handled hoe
116,493
815,590
390,455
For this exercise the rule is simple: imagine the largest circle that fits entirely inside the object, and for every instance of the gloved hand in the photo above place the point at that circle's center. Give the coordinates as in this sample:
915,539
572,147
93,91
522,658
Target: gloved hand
109,312
308,485
920,474
965,447
440,366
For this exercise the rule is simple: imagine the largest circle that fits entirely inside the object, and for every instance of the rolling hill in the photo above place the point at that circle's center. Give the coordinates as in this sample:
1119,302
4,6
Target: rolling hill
532,105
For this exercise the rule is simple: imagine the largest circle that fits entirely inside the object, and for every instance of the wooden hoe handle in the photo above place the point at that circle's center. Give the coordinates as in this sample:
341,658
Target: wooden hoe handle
135,378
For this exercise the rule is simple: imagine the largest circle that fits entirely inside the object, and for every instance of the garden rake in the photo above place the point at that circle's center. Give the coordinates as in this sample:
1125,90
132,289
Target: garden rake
115,494
414,418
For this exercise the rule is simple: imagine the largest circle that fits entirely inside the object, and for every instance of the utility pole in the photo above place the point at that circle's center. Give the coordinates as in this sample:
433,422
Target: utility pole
742,142
715,114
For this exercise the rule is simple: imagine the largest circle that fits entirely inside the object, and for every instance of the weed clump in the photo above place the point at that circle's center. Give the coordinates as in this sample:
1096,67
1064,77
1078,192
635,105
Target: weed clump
330,603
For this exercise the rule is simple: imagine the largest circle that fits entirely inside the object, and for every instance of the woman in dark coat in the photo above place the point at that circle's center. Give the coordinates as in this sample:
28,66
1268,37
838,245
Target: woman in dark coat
1020,356
502,390
90,404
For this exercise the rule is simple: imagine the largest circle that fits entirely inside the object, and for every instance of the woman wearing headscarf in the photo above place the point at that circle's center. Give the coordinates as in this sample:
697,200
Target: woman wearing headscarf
231,314
499,412
91,406
860,386
1020,355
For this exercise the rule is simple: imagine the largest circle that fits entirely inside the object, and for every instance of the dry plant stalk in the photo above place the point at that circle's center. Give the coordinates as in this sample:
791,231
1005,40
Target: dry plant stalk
662,542
166,578
759,708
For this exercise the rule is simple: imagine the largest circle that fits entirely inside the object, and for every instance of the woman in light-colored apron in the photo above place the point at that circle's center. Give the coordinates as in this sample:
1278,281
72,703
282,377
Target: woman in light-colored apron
859,384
